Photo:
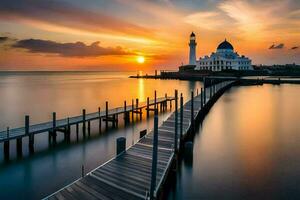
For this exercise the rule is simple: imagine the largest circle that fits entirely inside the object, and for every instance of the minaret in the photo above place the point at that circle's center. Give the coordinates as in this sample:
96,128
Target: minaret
193,45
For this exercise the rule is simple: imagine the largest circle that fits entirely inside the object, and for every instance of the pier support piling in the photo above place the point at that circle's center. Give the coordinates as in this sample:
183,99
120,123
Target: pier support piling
147,109
83,122
6,145
99,115
181,118
155,106
154,157
6,150
89,128
106,115
53,133
121,145
132,111
19,147
176,123
143,133
192,113
77,131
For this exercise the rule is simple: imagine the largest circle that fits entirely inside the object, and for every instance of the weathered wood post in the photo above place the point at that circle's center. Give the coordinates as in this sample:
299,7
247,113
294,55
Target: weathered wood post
19,147
99,115
106,115
114,121
155,106
68,130
125,113
143,133
117,120
132,111
192,112
176,123
30,135
166,102
89,128
147,107
188,151
181,118
83,122
137,107
6,145
154,156
121,145
77,131
141,113
82,171
54,127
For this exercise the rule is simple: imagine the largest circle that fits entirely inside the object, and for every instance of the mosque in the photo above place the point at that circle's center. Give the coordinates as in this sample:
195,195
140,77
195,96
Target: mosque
223,59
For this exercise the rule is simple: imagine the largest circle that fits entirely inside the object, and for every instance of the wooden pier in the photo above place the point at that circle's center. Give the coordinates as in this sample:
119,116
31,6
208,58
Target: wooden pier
109,116
140,171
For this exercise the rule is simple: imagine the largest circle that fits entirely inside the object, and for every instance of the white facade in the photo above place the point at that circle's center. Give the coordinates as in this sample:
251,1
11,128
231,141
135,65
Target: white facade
224,58
192,45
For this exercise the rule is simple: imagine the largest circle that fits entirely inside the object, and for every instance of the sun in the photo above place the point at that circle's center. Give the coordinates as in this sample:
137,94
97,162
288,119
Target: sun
140,59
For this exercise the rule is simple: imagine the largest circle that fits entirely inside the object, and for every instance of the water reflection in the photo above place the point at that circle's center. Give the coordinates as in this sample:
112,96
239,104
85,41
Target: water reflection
247,148
39,94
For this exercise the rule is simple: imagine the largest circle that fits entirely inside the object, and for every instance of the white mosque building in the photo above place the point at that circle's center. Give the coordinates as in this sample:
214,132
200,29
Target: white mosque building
223,59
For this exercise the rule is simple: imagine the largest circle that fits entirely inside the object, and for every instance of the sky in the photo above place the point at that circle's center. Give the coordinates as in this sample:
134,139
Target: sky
114,35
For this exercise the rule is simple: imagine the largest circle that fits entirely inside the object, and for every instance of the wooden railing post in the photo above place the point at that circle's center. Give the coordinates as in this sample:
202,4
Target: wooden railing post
6,145
181,117
137,107
121,145
155,106
147,107
106,115
192,112
166,102
83,122
176,122
99,115
154,156
132,112
54,127
27,125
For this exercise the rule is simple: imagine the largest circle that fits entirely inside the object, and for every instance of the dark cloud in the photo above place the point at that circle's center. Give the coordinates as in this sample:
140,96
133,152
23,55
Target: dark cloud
279,46
78,49
67,15
294,48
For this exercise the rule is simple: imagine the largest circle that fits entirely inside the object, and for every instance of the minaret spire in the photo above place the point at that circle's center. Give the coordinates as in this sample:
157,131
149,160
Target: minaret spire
192,44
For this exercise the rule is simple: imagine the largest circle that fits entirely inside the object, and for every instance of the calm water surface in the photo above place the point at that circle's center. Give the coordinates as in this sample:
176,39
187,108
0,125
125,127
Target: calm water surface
38,95
247,148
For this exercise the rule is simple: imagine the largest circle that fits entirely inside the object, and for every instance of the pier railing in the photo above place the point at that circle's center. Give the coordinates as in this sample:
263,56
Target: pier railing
106,115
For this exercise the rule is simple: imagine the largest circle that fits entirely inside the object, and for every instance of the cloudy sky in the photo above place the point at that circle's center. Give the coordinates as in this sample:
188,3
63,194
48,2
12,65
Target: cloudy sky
111,35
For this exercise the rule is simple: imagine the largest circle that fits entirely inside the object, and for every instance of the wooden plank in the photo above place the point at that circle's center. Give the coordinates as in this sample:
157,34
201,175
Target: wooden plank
107,190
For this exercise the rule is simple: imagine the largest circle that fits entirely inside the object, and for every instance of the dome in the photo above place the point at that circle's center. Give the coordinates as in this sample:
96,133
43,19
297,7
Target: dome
225,45
193,34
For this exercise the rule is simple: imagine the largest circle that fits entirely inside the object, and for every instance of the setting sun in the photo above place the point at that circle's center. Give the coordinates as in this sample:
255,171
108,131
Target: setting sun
140,59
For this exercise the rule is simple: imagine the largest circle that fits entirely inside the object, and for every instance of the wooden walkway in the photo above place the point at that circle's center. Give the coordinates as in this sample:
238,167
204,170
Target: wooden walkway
128,175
